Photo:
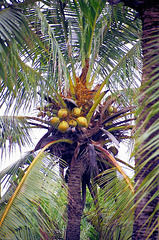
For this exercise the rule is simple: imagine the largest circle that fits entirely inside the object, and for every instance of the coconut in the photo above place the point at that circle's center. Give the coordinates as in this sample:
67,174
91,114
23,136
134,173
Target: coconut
55,120
82,121
62,113
76,111
63,126
72,123
114,150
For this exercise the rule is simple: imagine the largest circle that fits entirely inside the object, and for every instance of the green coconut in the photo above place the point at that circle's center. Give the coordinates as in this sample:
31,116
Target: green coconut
110,109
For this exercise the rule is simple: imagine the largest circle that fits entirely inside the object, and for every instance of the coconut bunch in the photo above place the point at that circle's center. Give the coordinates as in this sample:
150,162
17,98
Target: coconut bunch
66,118
63,118
108,122
70,117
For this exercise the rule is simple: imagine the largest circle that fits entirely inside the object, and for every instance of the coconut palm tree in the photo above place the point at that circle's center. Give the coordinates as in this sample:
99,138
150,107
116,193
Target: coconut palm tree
80,57
146,150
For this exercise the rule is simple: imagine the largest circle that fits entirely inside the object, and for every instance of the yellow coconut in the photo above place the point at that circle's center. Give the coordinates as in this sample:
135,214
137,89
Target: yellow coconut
62,113
82,121
76,111
72,123
55,120
63,126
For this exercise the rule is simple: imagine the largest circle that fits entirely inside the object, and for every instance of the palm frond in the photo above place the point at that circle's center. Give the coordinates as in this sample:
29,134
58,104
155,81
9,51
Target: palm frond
120,81
12,175
19,202
39,206
14,130
11,22
96,103
18,80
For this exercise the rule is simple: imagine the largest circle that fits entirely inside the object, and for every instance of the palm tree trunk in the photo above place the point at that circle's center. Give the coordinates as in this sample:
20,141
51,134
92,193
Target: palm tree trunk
75,202
146,219
146,213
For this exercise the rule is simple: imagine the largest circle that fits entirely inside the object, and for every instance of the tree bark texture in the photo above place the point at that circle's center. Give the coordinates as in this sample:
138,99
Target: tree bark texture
75,203
146,214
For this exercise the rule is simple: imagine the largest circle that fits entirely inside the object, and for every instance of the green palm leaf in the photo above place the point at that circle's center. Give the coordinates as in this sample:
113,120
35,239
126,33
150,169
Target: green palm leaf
11,22
14,130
